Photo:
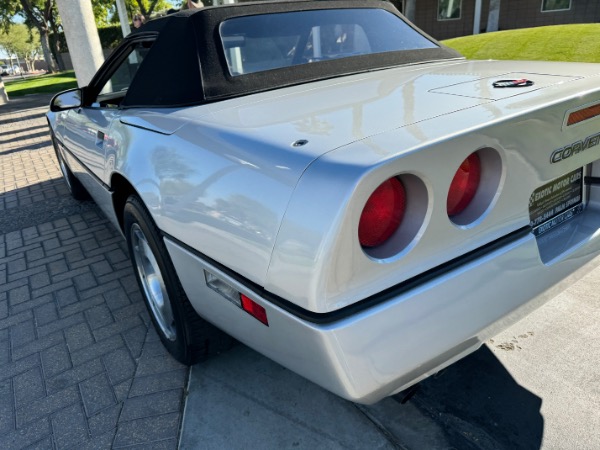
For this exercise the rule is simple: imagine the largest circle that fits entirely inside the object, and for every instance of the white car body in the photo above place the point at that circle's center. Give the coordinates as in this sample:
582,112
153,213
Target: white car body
265,191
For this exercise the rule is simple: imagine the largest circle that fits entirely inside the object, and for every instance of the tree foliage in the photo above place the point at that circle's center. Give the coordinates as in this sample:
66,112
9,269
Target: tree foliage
8,9
110,36
22,42
40,14
105,10
147,7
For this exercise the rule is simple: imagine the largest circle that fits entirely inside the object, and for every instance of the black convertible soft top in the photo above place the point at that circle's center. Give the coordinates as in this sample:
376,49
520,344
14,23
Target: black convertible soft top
187,64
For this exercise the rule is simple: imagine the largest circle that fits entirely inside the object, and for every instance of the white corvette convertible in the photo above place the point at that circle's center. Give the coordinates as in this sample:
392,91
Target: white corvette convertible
334,188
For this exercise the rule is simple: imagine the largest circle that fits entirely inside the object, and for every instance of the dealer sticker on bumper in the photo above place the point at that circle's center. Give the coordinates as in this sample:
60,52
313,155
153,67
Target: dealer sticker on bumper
553,203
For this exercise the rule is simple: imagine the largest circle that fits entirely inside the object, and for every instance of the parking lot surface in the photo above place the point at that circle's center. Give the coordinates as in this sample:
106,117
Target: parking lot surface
534,386
81,366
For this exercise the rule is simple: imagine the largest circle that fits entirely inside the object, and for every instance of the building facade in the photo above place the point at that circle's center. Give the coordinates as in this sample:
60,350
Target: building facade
444,19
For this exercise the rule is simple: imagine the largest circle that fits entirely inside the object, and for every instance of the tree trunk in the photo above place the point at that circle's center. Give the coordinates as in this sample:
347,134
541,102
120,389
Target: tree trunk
52,67
55,50
493,16
55,44
82,38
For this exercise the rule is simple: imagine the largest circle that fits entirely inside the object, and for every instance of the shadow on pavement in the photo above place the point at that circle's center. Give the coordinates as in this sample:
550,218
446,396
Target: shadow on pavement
32,116
43,126
240,399
38,203
23,137
480,405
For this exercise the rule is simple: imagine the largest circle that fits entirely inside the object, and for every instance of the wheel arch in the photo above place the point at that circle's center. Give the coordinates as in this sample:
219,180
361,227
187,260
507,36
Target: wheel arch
122,189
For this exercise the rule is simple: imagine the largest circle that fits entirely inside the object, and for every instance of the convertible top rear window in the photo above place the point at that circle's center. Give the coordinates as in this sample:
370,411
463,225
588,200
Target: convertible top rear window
271,41
221,52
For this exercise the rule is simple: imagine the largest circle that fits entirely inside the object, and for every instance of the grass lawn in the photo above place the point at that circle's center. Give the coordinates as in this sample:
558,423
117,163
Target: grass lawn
43,84
579,42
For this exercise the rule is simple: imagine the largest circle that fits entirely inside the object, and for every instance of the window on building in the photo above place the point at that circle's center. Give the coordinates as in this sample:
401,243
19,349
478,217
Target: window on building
400,5
450,9
555,5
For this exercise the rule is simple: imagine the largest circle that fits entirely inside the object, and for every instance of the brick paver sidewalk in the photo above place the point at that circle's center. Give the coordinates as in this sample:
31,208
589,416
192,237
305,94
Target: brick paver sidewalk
80,364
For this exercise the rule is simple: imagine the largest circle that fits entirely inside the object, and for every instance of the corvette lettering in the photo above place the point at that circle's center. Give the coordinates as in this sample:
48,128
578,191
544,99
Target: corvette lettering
572,149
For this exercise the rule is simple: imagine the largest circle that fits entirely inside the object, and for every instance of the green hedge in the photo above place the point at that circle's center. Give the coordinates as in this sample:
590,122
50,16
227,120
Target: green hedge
110,37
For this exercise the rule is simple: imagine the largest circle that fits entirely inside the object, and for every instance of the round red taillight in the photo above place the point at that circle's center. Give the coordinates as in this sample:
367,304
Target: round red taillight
382,214
464,185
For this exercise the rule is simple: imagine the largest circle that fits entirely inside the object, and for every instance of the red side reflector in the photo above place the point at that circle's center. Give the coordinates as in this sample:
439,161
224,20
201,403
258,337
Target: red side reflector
583,114
254,309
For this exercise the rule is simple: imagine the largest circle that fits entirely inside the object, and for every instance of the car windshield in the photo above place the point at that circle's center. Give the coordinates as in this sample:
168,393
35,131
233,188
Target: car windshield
271,41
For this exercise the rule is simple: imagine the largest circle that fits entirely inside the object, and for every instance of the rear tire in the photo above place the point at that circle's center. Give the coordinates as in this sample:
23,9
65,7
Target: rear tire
186,336
78,192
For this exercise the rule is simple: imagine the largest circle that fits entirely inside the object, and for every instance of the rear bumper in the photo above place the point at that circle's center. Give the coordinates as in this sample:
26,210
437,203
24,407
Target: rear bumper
386,348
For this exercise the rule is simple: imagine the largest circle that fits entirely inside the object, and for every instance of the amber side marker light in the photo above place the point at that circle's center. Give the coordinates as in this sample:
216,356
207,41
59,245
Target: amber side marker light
237,298
254,309
583,114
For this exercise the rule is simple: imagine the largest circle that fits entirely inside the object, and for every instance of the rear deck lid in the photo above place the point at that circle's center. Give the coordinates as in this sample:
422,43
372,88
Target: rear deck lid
504,85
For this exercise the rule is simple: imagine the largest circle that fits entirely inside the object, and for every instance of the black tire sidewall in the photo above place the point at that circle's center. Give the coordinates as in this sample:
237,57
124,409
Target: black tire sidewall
135,213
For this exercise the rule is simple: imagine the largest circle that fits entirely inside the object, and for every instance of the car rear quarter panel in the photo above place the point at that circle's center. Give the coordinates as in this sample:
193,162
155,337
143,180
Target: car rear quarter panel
326,269
220,193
